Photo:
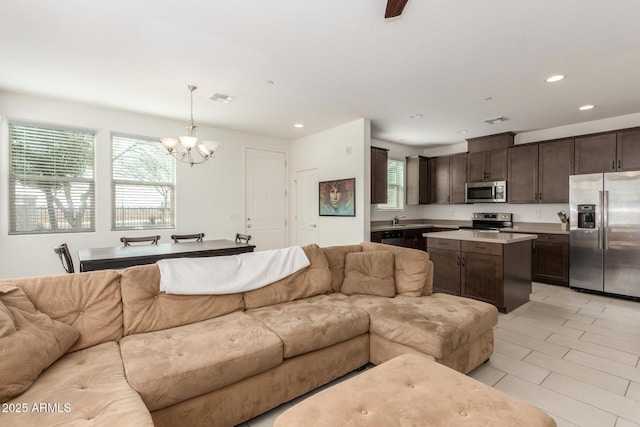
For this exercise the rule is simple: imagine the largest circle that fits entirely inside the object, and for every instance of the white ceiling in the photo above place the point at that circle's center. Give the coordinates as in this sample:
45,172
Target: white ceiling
333,61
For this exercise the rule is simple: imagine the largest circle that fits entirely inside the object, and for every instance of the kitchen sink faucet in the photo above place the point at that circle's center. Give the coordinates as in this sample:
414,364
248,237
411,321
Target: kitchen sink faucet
396,219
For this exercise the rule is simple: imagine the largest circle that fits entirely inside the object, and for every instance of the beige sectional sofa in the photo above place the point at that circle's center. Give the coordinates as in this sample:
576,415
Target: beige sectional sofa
148,358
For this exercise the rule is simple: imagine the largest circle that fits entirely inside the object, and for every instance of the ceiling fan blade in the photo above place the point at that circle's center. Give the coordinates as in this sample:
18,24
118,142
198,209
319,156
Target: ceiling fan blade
395,8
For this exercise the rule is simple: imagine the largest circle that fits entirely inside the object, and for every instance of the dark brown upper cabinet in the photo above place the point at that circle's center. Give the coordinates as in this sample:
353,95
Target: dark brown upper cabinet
458,177
628,150
440,180
487,159
595,153
417,180
522,184
379,158
487,166
555,163
608,152
539,173
448,174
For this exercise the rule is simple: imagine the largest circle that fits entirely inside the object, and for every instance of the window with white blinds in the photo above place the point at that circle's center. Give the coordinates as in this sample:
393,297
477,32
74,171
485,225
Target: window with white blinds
395,186
143,184
51,179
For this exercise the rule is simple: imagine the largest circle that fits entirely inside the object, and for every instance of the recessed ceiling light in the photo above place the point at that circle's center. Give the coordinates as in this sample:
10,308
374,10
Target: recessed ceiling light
298,125
555,78
462,131
586,107
417,116
488,98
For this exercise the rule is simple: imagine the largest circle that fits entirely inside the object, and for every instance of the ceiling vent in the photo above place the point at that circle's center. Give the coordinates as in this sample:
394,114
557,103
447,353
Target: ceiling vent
220,97
496,120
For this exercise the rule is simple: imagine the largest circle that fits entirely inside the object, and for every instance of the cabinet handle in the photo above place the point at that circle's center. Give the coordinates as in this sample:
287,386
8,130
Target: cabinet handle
458,260
535,196
619,164
613,165
463,261
540,196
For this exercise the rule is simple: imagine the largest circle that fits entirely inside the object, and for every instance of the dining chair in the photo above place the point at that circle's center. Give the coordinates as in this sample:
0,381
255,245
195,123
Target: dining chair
152,240
242,238
196,237
65,257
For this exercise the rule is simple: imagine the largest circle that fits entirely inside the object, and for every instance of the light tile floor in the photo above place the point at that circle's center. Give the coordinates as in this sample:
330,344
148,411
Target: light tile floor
574,355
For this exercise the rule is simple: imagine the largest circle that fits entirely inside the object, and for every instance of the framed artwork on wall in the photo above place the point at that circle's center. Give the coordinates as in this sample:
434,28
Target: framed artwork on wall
338,197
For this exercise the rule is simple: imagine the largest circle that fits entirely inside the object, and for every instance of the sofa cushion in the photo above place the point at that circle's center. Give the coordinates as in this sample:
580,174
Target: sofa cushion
173,365
90,302
147,309
86,387
313,323
312,280
413,269
336,256
369,273
435,325
30,341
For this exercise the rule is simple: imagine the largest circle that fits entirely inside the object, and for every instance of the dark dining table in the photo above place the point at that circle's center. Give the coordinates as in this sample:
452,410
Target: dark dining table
126,256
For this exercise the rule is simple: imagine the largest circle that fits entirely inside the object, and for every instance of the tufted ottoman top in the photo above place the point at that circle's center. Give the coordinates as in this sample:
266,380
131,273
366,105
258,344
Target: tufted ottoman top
412,390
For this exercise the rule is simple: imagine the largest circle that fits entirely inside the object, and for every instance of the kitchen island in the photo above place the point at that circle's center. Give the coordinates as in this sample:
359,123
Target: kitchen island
484,265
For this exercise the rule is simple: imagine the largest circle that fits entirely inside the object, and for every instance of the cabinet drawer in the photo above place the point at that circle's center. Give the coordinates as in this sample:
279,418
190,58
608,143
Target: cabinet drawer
436,243
482,248
556,238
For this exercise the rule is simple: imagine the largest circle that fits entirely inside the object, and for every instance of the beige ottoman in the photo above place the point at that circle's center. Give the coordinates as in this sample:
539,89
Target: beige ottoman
412,390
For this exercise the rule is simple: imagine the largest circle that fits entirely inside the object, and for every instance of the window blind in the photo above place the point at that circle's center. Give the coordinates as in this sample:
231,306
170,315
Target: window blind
51,180
143,184
395,186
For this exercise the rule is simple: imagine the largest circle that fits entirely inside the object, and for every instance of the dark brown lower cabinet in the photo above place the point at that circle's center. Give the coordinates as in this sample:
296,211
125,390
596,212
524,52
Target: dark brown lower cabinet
499,274
550,262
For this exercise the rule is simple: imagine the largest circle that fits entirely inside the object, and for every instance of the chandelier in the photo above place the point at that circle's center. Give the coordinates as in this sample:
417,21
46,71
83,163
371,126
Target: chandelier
182,148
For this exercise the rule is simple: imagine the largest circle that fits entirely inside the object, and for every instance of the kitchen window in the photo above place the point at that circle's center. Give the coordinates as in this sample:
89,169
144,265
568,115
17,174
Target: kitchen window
51,179
395,186
143,184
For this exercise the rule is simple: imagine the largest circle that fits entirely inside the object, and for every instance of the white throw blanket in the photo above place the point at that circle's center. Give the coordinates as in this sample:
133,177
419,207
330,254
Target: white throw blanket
229,274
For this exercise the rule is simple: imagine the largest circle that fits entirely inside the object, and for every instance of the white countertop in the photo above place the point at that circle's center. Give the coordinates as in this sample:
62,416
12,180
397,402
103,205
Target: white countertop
482,236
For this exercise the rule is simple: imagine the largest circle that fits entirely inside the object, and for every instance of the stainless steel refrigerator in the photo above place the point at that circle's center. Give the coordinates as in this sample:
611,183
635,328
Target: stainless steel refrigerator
604,232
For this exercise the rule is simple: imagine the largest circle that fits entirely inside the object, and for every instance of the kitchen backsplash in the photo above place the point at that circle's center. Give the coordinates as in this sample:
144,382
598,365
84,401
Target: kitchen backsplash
521,212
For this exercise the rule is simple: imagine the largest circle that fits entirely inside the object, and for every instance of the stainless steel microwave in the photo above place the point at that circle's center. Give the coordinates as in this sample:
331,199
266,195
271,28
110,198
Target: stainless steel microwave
486,192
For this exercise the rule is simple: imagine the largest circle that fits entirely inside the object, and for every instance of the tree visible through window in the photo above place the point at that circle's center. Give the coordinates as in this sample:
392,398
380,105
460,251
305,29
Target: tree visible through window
143,184
51,181
395,186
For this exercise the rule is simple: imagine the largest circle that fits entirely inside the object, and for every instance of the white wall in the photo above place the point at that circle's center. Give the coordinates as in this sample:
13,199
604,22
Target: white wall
397,152
207,196
340,152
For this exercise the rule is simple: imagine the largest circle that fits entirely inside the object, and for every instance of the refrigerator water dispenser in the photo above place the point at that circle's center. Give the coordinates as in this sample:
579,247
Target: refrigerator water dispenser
586,216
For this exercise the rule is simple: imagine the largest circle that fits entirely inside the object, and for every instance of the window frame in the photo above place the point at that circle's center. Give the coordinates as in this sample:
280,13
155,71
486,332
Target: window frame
398,190
13,179
128,182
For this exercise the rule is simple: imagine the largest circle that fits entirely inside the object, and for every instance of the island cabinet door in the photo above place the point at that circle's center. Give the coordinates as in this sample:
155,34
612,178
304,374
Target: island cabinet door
482,277
447,259
446,271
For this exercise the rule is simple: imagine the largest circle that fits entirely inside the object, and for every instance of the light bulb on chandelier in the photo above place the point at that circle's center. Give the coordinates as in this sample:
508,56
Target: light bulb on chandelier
182,148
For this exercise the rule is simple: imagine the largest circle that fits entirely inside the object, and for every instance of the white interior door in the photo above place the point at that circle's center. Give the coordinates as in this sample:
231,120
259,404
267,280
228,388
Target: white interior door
266,218
306,207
